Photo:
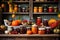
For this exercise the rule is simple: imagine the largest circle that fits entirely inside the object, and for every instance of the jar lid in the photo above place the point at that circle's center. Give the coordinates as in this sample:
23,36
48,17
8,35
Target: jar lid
38,17
35,7
55,7
40,7
45,19
34,25
47,27
50,7
41,28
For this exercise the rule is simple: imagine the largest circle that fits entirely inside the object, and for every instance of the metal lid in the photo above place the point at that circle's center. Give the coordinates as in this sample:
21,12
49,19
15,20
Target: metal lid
41,28
47,27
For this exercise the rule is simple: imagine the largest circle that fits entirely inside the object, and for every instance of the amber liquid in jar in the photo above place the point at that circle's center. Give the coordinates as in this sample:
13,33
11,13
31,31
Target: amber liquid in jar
35,9
40,9
34,29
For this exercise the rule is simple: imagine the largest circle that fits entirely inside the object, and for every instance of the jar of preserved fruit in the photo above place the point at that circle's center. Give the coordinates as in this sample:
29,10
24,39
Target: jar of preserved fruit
35,9
41,30
40,9
55,9
38,21
29,30
23,30
45,22
50,9
34,29
48,30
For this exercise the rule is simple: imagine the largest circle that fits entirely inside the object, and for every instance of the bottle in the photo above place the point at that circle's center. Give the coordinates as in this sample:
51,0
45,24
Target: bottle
50,9
10,8
15,8
19,8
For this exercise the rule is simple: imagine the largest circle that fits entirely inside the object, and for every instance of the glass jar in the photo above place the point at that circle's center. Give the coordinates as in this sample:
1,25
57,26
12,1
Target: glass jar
45,22
34,29
40,9
19,8
48,30
23,9
55,9
38,21
15,8
45,7
29,30
35,9
50,9
23,30
41,30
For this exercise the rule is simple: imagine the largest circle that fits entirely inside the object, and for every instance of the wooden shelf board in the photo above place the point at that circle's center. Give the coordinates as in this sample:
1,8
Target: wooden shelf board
26,35
16,13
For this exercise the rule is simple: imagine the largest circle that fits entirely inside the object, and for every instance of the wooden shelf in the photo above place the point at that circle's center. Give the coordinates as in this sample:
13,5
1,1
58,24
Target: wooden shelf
44,2
46,13
19,1
16,13
26,35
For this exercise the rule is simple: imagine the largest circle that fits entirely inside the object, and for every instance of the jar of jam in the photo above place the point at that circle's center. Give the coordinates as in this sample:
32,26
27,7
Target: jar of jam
55,9
23,29
45,22
38,21
34,29
35,9
48,30
29,30
41,30
40,9
50,9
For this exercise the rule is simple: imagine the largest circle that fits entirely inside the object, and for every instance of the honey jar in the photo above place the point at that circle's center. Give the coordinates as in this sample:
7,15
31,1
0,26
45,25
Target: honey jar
34,29
40,9
35,9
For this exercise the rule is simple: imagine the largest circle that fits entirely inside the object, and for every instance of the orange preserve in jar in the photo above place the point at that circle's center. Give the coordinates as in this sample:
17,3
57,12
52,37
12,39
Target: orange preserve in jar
29,30
34,29
40,9
41,30
15,8
35,9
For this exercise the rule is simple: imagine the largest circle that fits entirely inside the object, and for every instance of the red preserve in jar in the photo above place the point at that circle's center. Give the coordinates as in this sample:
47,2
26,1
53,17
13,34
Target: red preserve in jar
50,9
39,21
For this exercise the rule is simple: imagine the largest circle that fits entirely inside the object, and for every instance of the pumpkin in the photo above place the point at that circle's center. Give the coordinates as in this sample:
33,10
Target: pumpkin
19,21
52,23
15,23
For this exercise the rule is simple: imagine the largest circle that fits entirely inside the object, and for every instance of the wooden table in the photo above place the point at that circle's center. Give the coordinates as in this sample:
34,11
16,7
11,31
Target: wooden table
29,37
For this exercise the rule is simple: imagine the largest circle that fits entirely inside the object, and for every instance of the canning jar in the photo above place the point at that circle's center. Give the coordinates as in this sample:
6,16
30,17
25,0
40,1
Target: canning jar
15,8
19,8
45,7
29,30
48,30
45,22
55,9
35,9
40,9
41,30
50,9
34,29
23,30
38,21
